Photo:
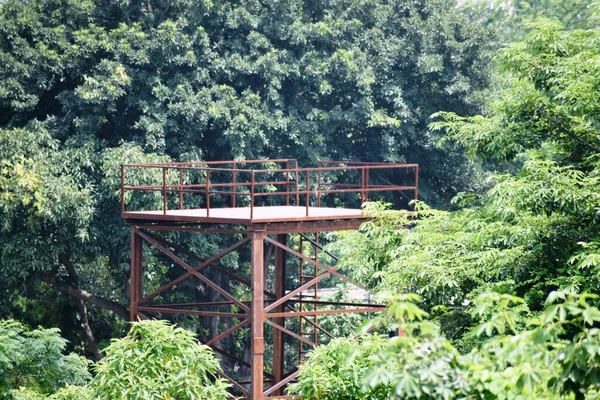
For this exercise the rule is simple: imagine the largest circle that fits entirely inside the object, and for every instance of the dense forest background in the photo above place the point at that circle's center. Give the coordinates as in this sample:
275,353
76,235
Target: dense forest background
497,101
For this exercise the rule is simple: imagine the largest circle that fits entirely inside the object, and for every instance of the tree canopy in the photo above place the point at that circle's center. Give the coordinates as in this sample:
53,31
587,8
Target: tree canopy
86,86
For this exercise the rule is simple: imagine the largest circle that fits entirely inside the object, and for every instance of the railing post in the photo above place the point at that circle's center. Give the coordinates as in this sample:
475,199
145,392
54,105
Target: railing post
287,183
417,182
362,185
181,188
307,190
252,196
318,186
297,186
208,192
122,188
164,189
234,184
367,184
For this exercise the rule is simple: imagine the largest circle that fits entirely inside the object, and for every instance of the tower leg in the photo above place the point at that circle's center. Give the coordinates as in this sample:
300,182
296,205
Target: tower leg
135,291
278,340
258,315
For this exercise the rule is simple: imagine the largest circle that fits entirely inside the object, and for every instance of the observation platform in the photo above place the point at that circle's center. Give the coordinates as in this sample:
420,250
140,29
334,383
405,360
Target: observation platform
270,213
259,191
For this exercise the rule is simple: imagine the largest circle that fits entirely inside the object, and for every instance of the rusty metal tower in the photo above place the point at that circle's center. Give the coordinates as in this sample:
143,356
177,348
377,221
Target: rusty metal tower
263,205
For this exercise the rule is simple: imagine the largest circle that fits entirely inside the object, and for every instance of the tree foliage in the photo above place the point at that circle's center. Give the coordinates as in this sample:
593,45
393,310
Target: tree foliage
501,275
35,360
553,355
158,361
87,85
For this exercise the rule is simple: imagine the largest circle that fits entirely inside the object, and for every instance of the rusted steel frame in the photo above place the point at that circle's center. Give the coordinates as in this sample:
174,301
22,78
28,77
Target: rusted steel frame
221,162
258,314
142,316
181,188
291,333
196,269
311,226
300,289
362,185
318,187
316,271
323,312
319,246
164,189
267,293
278,339
228,332
234,358
297,174
208,193
193,271
367,183
287,183
417,183
247,283
334,303
328,191
191,229
318,264
300,297
207,304
234,383
192,312
122,189
252,197
234,184
307,192
135,291
262,183
280,384
352,190
344,168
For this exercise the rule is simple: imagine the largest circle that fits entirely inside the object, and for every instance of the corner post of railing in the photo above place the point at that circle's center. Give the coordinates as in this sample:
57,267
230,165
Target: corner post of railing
297,185
122,188
362,185
234,181
164,189
307,191
181,188
208,192
417,182
287,182
252,196
367,183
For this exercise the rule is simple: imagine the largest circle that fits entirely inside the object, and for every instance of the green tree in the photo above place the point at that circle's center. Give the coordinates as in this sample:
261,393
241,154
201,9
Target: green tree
535,229
158,361
34,360
86,85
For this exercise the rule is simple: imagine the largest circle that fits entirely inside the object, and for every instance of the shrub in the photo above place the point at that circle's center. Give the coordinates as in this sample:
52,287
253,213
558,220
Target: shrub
158,361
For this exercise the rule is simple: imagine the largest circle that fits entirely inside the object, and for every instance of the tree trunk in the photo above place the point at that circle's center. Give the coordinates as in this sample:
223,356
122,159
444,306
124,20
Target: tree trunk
82,309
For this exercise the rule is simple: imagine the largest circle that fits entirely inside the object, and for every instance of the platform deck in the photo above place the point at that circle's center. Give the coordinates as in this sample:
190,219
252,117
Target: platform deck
241,215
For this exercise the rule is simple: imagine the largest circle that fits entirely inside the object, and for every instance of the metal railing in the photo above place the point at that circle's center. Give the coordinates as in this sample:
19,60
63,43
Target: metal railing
268,180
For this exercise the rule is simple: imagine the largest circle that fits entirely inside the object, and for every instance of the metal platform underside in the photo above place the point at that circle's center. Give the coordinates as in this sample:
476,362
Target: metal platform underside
244,215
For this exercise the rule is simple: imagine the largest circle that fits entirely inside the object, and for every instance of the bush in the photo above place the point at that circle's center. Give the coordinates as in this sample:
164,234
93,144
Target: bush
158,361
34,361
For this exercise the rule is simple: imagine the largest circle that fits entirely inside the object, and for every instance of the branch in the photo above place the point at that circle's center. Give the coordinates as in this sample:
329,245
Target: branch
579,139
87,296
81,307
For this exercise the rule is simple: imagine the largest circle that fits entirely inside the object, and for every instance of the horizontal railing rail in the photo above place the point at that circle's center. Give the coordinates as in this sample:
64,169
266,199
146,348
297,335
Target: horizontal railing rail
281,178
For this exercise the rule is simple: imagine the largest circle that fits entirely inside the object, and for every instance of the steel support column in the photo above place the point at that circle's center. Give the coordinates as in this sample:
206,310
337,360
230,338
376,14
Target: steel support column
257,314
135,292
278,339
